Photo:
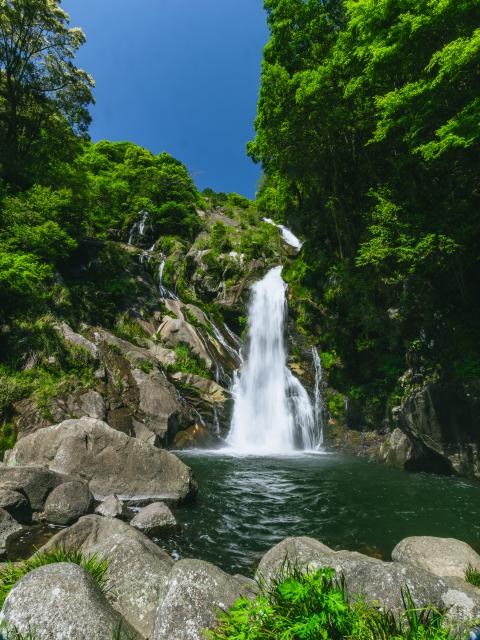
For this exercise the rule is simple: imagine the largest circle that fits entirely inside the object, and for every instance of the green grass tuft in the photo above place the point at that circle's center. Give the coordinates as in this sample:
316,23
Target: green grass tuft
12,573
472,576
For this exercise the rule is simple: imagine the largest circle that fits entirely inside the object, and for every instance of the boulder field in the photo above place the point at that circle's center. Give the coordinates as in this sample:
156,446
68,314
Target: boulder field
151,597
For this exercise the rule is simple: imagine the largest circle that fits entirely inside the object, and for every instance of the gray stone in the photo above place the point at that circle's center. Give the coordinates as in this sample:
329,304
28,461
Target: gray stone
109,460
196,591
440,556
68,502
158,401
397,450
174,331
78,340
62,602
377,582
9,528
138,570
36,482
91,404
154,519
16,504
111,507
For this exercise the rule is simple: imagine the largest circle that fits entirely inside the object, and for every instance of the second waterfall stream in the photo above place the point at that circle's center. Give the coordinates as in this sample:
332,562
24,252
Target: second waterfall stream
272,413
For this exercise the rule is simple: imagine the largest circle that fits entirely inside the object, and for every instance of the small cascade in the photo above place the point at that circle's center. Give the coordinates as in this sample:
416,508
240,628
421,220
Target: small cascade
318,401
164,291
272,411
138,228
288,237
221,339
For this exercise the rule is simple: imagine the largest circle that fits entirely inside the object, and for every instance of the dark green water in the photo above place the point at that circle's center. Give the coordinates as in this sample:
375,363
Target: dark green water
246,505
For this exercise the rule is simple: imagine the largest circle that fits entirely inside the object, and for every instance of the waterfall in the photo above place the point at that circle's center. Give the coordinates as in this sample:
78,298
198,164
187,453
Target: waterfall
287,235
138,228
318,402
272,411
164,292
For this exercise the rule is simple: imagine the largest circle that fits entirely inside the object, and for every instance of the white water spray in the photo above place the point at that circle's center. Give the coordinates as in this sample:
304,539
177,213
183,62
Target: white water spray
138,228
272,411
164,291
287,235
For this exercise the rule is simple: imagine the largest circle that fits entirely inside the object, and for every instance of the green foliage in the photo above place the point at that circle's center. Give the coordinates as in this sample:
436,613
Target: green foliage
44,98
367,131
12,573
187,362
174,218
124,179
314,605
8,435
472,576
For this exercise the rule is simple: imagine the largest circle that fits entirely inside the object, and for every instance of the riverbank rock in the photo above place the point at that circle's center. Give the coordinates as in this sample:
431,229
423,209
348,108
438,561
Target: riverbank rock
109,460
373,580
196,591
62,602
440,556
138,570
16,504
68,502
9,528
111,507
154,519
35,482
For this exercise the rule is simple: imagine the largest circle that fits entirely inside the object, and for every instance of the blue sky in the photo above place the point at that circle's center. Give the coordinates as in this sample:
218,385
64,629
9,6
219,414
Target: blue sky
180,76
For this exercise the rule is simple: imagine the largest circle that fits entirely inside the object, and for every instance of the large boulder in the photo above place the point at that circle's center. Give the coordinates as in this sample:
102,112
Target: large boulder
163,413
440,556
196,591
154,519
9,528
138,571
16,504
109,460
377,582
35,482
62,602
68,502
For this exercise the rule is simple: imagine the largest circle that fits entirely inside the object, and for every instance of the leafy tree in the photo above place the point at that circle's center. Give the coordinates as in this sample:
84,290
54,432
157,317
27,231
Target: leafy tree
368,133
44,97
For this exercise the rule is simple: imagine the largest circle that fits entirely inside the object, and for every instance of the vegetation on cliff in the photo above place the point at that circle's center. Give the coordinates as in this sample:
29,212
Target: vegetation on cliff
368,133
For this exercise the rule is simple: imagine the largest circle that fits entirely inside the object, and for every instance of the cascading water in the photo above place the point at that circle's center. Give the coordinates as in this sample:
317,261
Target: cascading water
164,292
138,229
318,402
272,411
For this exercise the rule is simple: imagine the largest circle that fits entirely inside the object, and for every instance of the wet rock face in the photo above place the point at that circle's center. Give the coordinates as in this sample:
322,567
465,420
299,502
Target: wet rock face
110,461
62,602
445,420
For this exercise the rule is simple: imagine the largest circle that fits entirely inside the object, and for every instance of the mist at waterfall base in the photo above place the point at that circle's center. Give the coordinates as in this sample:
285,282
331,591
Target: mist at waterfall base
272,413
